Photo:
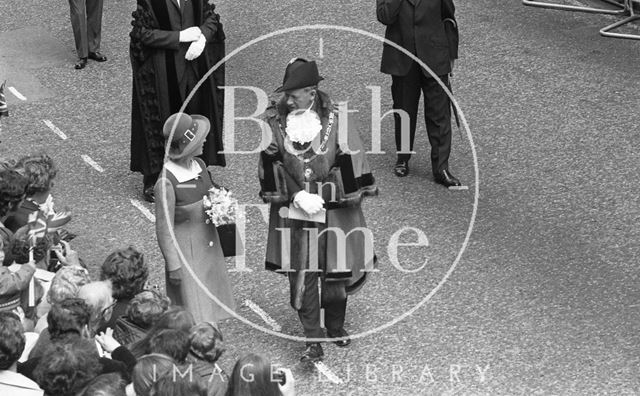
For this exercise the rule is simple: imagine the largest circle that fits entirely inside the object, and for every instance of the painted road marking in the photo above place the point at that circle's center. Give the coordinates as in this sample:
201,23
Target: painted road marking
326,371
265,316
146,212
55,129
459,188
92,163
17,94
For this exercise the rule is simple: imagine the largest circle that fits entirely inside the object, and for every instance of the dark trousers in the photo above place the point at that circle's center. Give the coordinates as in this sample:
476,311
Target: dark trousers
405,91
86,21
334,302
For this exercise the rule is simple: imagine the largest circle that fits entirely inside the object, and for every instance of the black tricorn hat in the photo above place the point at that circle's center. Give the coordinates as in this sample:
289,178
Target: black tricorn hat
300,73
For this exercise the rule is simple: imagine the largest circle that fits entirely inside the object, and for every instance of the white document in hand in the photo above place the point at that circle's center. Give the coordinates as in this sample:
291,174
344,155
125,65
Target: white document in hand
299,214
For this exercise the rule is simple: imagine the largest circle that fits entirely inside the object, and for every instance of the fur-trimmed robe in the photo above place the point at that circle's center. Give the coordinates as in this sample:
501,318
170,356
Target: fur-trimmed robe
153,50
282,174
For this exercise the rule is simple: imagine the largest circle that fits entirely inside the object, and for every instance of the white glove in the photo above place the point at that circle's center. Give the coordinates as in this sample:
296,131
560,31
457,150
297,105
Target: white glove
190,34
310,203
196,48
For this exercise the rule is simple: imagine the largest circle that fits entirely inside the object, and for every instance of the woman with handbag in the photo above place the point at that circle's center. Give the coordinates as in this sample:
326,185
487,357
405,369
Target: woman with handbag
185,234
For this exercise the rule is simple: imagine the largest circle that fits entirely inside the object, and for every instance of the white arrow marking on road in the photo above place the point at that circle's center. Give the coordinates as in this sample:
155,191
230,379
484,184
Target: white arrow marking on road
265,316
92,163
55,129
146,212
17,94
324,370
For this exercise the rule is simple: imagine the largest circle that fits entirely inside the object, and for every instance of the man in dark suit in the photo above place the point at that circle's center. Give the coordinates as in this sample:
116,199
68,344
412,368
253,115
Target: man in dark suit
86,21
174,43
427,29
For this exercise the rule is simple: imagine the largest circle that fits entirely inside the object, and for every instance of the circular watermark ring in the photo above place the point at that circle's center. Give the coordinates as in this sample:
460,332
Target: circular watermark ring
472,220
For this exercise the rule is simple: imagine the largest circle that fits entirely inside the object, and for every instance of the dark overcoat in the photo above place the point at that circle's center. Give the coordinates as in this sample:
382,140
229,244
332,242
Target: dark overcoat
283,174
426,28
157,62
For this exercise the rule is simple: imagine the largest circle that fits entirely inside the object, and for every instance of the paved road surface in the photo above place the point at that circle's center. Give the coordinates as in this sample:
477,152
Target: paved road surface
545,298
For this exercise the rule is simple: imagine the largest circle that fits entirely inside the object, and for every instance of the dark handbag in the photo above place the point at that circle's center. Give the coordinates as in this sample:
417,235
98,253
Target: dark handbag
230,240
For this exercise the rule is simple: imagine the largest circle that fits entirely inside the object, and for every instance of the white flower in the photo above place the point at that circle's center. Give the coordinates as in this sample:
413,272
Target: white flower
220,206
303,128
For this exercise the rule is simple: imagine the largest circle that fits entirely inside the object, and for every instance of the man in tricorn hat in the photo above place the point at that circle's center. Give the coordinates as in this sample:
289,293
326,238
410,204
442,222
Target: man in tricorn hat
315,175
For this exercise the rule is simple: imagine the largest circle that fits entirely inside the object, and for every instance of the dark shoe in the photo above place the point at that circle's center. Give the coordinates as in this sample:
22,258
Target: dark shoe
342,333
81,63
313,353
445,178
149,194
98,57
401,169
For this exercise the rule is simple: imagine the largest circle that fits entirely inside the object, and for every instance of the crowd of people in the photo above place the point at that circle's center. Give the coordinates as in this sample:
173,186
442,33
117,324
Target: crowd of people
63,332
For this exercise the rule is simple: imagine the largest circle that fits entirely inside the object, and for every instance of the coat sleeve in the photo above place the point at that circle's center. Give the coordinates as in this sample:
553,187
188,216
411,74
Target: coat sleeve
148,35
351,172
387,11
13,282
209,26
451,27
165,223
276,184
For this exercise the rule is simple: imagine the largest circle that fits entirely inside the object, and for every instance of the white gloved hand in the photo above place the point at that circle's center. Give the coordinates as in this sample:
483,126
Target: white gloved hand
190,34
196,48
310,203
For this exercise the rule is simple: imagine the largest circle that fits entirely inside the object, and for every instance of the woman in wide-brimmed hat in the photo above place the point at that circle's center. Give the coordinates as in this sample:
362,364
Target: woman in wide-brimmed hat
179,208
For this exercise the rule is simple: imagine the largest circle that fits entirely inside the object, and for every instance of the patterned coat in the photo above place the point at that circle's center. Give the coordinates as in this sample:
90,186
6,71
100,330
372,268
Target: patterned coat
345,179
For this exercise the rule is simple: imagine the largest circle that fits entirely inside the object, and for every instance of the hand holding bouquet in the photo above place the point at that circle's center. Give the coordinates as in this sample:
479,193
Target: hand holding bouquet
220,206
222,210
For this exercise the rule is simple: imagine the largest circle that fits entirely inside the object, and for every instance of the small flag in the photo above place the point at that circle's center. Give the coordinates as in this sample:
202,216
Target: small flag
37,227
4,111
57,220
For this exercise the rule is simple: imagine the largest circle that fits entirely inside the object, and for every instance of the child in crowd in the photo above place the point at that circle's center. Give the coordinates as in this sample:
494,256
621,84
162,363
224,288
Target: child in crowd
143,311
128,273
12,344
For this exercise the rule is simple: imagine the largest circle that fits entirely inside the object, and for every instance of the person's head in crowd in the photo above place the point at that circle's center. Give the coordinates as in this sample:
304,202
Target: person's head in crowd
179,386
149,369
12,340
146,307
252,376
69,317
170,342
98,297
68,367
127,271
13,189
176,318
67,283
40,171
206,341
20,247
110,384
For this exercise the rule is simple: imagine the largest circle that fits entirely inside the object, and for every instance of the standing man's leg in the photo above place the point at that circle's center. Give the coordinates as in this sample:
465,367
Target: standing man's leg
437,114
334,303
405,91
78,11
94,29
309,313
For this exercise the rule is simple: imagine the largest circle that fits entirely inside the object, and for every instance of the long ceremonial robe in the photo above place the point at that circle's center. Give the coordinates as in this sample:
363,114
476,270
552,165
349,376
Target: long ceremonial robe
282,174
157,62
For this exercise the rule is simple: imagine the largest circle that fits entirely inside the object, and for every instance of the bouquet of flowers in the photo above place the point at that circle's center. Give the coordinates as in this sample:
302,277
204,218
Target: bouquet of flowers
220,206
222,210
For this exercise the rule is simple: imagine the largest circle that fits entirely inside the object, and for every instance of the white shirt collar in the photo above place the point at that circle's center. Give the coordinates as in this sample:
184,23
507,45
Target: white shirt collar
182,174
18,384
